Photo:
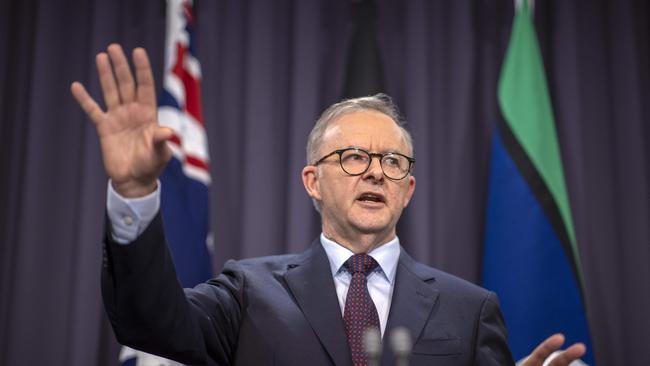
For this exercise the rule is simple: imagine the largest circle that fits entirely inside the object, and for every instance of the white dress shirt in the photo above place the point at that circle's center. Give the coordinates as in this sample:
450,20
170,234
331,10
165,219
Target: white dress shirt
129,217
380,282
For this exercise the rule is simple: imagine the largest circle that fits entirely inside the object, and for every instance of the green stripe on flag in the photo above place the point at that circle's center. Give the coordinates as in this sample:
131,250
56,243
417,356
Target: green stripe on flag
526,107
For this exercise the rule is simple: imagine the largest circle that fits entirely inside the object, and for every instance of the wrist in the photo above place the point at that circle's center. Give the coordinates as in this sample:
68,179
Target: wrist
134,189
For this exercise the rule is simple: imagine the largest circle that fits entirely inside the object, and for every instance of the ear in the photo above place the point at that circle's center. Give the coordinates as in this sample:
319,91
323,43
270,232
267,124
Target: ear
311,182
411,190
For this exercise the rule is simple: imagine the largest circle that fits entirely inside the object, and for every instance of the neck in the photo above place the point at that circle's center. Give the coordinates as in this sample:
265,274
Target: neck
359,242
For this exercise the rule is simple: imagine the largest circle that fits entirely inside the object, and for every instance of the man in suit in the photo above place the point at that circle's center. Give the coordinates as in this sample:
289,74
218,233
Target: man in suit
310,308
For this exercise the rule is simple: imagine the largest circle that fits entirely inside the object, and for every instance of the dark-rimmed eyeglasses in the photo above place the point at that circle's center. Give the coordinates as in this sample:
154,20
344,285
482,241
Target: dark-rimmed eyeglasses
356,161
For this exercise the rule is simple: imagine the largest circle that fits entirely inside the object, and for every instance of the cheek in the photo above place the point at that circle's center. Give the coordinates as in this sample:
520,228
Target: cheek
337,191
400,197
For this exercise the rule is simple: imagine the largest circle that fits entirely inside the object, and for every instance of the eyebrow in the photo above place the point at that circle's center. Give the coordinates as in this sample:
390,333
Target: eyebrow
387,151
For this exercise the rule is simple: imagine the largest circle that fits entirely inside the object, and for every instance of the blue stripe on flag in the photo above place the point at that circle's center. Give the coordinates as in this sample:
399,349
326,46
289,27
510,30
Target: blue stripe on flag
184,205
130,362
525,263
166,99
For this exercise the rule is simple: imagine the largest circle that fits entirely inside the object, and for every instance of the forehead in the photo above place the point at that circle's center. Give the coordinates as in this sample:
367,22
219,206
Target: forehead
367,129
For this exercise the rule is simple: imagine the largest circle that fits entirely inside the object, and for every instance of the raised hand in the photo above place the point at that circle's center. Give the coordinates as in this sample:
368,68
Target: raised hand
550,345
134,148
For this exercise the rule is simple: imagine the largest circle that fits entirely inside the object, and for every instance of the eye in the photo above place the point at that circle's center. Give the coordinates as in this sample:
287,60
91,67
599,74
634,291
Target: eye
392,160
354,156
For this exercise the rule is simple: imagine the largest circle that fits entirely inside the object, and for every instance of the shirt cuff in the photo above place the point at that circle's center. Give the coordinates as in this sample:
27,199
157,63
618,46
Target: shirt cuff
129,217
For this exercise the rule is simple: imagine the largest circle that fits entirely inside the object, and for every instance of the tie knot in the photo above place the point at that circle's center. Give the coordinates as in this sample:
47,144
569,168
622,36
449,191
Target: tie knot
361,263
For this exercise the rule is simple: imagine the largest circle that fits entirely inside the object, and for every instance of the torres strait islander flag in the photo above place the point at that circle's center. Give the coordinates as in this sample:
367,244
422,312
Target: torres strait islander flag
531,259
185,181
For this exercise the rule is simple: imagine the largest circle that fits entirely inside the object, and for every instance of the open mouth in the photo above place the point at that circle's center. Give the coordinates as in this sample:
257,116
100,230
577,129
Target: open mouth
371,197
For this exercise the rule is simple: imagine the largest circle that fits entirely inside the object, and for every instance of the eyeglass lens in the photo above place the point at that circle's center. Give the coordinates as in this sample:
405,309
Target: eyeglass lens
355,161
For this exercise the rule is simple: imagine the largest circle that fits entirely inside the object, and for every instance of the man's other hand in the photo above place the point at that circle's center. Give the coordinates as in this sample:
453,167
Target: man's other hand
550,345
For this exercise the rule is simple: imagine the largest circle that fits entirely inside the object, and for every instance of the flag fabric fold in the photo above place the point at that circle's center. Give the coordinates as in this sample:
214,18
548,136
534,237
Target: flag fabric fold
531,258
186,179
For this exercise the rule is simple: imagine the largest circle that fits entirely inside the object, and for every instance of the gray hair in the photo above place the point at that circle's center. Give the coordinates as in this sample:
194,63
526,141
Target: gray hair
381,103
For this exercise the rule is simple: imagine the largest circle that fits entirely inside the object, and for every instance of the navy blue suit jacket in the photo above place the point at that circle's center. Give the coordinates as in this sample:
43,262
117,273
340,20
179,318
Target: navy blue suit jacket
283,310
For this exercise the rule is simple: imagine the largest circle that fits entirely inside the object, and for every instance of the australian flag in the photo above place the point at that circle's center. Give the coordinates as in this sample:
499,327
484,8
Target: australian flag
186,179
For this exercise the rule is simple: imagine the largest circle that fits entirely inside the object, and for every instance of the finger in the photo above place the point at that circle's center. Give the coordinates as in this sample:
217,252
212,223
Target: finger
569,355
146,89
125,82
107,81
86,102
541,353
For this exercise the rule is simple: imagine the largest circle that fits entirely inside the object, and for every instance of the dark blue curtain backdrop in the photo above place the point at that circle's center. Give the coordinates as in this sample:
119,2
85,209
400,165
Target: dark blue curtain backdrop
269,68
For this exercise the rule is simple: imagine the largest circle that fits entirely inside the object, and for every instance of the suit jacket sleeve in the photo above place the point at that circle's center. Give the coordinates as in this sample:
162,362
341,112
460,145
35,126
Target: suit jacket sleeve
150,311
491,338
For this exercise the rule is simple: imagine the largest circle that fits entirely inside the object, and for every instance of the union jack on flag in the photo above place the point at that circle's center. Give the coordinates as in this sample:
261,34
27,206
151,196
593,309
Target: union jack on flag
186,179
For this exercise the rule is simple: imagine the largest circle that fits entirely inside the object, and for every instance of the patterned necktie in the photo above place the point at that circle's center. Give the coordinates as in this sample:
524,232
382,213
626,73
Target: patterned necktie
360,312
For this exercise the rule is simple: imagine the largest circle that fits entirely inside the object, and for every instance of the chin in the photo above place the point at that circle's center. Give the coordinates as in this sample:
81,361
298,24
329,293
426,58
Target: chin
372,227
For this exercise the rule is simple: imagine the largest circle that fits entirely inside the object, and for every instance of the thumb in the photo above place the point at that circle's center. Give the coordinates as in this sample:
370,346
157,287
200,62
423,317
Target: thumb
161,135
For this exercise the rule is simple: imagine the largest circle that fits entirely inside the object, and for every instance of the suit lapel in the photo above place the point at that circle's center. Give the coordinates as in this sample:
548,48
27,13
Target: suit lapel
310,281
412,301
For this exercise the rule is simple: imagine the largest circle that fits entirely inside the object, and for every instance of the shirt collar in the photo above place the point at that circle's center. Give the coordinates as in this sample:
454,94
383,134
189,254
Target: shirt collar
386,256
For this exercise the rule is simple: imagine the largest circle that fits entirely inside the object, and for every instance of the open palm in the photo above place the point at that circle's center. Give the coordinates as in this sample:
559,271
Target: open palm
133,144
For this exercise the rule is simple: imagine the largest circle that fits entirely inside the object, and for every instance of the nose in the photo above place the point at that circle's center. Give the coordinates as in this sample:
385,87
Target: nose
374,170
